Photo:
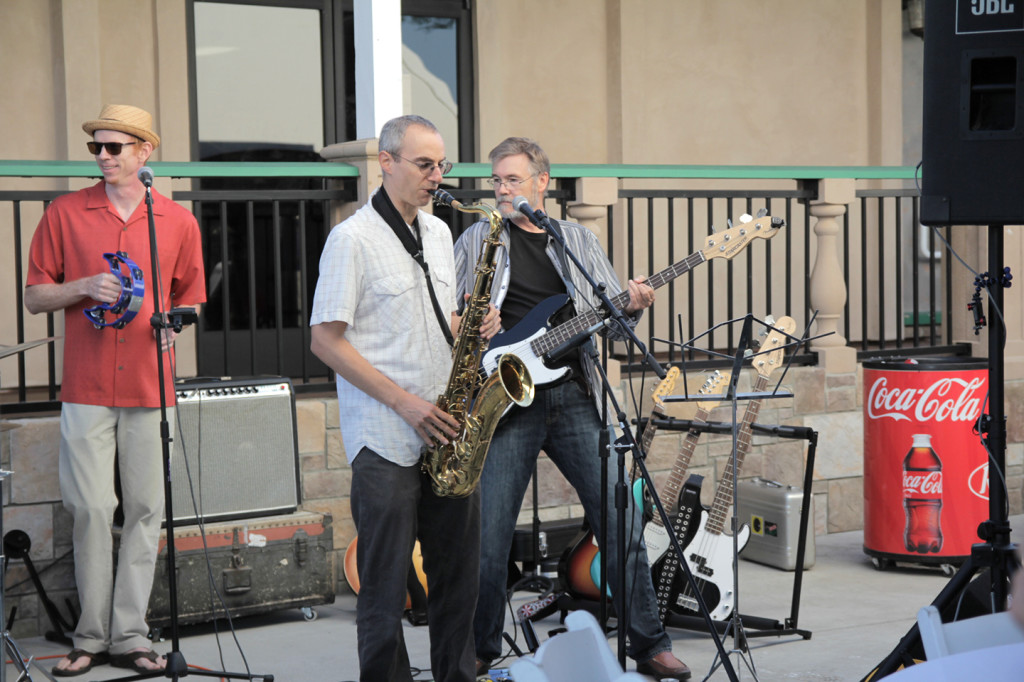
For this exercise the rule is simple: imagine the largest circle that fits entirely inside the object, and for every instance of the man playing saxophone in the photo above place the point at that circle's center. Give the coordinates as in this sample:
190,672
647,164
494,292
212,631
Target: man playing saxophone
562,420
378,325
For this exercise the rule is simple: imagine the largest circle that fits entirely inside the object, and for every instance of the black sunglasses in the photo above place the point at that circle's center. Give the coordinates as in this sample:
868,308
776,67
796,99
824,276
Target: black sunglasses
113,148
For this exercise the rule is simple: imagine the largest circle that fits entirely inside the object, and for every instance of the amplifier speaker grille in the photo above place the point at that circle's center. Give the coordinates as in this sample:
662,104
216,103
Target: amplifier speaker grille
238,438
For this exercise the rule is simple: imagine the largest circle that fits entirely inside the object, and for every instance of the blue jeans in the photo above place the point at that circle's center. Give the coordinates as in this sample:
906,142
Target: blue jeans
392,507
564,423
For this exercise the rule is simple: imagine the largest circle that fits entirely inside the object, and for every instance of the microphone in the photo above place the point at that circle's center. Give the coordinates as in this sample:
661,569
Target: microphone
523,206
146,176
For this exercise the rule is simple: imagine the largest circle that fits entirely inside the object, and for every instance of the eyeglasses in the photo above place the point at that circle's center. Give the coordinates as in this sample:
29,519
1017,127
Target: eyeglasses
113,148
511,183
427,167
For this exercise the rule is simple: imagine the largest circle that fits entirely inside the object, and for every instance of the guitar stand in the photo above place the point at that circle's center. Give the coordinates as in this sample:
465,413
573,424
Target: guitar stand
763,627
734,624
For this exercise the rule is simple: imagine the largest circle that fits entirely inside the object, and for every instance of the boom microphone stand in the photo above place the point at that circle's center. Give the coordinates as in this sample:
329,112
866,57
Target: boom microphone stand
621,489
175,319
996,552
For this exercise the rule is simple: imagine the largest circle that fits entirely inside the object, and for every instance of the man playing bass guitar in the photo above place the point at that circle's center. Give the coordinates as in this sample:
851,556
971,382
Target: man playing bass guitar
563,420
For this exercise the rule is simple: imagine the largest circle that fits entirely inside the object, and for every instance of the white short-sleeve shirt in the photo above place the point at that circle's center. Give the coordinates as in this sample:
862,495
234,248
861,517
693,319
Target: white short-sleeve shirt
369,281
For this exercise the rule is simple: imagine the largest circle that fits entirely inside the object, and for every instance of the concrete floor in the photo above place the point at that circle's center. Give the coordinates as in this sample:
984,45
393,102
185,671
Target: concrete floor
855,613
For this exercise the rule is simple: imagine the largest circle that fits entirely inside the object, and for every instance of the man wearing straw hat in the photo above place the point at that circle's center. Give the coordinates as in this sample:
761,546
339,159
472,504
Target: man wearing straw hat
110,389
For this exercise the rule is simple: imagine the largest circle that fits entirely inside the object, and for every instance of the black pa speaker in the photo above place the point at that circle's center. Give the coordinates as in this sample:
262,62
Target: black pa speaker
973,137
235,449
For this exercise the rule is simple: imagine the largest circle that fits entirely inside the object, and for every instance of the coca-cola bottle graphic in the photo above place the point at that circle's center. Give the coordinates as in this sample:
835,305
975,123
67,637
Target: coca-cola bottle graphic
922,496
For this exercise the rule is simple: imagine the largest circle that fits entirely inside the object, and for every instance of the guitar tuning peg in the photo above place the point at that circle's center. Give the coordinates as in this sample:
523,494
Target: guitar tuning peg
746,218
747,353
762,213
770,321
728,222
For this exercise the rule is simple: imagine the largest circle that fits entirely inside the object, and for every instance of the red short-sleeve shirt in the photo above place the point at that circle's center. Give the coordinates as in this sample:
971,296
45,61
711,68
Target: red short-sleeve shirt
108,366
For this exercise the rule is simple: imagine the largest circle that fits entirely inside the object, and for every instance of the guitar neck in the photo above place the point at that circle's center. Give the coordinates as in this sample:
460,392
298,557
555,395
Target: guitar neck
650,430
723,494
678,474
584,321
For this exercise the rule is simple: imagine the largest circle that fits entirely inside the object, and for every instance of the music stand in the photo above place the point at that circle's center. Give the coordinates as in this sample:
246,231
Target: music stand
781,339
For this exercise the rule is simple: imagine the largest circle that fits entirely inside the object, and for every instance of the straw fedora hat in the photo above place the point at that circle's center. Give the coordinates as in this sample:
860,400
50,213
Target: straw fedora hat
126,119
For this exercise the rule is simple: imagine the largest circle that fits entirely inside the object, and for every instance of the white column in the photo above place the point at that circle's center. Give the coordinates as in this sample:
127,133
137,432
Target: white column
378,48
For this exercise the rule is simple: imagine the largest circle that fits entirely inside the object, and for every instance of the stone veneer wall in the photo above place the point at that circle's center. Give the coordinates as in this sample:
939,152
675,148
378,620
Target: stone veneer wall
829,404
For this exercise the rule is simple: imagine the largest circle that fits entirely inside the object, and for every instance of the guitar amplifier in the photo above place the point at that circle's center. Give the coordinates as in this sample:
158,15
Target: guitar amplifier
772,510
235,450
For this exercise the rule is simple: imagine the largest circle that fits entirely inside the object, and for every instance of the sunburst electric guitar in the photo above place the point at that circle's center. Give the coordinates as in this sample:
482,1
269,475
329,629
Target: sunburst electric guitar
710,553
584,564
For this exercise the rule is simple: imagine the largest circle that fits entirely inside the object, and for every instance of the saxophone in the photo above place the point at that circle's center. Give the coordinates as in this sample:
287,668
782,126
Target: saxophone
455,468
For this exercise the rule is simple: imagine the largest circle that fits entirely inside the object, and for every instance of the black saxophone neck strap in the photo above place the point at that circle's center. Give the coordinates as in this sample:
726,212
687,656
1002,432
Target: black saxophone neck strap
381,203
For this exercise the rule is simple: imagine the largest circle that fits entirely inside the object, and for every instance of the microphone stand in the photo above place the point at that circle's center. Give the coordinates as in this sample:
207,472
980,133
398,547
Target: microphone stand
616,315
176,666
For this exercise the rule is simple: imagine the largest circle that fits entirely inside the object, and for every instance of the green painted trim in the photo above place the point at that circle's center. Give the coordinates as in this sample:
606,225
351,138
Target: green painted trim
740,172
184,169
477,170
216,169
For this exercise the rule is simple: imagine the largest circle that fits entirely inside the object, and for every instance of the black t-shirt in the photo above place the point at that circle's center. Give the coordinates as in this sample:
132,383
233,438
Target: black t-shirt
533,277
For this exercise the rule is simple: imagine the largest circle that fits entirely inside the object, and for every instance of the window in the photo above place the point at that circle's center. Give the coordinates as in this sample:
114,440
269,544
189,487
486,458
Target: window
274,80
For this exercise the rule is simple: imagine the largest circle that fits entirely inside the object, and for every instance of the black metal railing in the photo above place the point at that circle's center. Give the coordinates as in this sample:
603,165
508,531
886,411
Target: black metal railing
262,247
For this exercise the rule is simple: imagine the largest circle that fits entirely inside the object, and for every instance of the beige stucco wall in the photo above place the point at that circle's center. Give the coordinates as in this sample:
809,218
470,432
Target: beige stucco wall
662,81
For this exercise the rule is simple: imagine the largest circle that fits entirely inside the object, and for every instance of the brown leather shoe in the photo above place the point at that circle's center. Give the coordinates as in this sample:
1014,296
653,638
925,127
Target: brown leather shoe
664,665
482,667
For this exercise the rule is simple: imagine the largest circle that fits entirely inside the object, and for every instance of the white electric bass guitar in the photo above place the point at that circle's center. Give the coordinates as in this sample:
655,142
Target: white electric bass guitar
710,553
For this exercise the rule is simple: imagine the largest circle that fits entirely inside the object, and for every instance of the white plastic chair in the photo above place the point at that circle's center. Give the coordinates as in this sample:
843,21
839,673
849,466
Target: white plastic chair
980,632
581,653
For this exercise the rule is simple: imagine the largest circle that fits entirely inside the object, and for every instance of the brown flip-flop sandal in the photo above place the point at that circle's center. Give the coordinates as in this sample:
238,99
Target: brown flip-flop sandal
75,654
131,660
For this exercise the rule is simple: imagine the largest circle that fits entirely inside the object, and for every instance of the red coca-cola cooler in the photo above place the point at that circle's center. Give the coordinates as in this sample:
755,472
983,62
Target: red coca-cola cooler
925,470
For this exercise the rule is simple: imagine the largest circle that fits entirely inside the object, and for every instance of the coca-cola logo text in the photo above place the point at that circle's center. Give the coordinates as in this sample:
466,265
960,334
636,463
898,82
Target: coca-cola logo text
922,485
957,400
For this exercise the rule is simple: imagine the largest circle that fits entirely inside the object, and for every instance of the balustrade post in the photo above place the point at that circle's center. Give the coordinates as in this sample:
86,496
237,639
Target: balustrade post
593,197
828,290
363,155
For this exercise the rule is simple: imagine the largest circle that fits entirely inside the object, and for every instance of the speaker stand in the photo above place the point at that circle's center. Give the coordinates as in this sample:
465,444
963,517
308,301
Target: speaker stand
996,553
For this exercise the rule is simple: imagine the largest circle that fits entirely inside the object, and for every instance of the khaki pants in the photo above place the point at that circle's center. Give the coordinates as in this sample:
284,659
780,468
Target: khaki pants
113,610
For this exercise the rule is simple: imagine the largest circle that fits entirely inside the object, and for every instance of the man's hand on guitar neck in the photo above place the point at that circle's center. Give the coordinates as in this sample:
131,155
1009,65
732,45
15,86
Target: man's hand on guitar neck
641,295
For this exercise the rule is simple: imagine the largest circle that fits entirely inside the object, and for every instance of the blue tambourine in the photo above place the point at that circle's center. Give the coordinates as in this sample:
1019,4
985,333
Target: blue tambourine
133,290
